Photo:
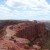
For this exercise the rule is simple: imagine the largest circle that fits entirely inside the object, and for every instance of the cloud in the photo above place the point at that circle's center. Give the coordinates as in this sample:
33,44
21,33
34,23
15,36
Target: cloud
27,3
31,5
25,9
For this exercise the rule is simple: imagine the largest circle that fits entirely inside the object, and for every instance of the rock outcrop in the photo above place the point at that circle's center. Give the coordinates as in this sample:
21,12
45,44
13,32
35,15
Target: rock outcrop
18,36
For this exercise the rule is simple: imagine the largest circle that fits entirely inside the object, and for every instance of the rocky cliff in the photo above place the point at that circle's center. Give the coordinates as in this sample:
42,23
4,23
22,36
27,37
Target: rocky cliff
25,35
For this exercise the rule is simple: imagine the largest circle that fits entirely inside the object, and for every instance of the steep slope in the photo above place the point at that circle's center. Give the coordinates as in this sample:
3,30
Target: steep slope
22,36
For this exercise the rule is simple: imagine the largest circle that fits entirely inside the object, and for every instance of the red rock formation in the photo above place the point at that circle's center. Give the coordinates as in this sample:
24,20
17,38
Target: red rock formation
21,34
25,30
41,30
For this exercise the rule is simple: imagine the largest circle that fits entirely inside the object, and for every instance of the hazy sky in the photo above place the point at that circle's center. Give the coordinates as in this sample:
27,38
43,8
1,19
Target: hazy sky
25,9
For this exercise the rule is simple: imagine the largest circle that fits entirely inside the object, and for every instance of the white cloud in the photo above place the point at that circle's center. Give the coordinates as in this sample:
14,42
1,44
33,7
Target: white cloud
27,9
34,5
27,3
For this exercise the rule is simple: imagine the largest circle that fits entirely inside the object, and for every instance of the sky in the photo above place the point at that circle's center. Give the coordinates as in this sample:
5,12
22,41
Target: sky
25,9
